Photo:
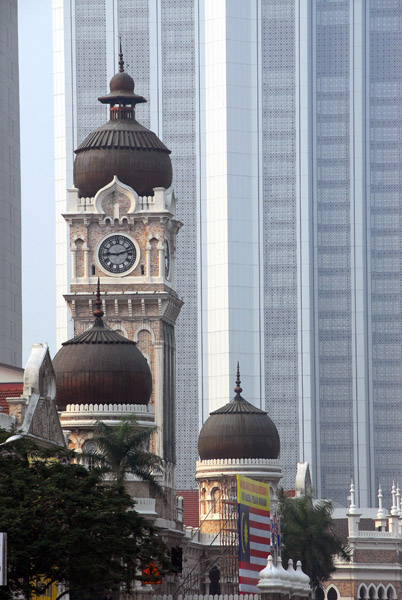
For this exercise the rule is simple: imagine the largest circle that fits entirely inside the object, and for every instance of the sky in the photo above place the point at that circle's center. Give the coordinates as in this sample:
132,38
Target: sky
37,174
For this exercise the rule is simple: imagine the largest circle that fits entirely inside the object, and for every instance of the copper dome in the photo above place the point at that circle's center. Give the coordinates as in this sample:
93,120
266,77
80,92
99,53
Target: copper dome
99,366
238,430
121,83
122,147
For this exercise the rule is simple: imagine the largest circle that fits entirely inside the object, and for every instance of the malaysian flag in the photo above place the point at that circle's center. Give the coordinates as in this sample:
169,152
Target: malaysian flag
254,532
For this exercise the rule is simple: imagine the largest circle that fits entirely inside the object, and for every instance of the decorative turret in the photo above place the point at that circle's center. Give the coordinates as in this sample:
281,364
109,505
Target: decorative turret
381,520
353,513
276,582
100,366
238,430
237,439
122,147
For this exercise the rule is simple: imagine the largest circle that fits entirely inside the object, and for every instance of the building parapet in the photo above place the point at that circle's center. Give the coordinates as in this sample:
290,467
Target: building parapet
251,467
207,539
207,597
163,200
375,534
145,506
110,408
239,461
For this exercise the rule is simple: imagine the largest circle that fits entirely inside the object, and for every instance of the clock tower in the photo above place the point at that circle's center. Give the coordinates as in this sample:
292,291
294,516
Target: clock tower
122,221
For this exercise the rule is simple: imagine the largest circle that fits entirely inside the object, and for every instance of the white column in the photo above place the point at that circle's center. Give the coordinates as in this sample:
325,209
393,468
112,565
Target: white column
73,250
86,262
111,38
231,198
64,77
358,240
305,289
155,71
148,260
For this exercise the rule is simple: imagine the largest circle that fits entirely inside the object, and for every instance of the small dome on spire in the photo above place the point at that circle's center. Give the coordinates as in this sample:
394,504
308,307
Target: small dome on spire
100,366
121,86
238,430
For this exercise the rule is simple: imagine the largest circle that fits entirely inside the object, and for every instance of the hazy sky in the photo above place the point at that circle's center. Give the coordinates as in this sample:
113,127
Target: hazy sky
37,174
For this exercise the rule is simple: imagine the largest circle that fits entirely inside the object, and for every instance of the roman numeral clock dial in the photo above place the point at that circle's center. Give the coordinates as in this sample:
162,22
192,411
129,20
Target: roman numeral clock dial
117,254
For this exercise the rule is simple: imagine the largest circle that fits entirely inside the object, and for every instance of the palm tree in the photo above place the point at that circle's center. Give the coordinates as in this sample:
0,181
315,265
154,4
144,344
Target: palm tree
309,535
124,449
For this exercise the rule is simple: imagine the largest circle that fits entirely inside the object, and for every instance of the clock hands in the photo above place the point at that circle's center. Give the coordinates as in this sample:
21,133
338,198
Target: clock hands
116,253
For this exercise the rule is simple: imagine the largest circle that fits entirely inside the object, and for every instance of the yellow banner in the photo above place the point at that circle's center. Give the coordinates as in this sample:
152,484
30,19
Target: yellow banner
252,493
49,593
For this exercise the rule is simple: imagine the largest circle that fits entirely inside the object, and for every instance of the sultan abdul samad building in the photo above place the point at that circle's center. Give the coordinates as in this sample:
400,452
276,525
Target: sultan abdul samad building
121,361
121,217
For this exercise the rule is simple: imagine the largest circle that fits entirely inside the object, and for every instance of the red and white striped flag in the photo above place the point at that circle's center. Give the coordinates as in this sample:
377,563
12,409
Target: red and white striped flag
254,532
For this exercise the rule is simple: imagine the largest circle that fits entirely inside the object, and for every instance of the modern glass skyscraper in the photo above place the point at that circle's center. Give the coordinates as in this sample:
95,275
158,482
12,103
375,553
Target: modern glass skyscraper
10,190
284,121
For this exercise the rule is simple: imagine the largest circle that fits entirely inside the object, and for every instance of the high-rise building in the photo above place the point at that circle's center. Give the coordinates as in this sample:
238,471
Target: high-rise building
10,190
284,121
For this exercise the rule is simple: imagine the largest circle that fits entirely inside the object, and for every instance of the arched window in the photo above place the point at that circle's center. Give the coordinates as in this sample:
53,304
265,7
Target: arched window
79,258
214,577
88,449
381,593
363,592
215,500
372,592
391,595
332,594
319,594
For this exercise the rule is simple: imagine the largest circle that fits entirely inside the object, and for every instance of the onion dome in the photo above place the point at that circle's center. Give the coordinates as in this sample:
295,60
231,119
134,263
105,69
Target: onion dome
238,430
122,147
100,366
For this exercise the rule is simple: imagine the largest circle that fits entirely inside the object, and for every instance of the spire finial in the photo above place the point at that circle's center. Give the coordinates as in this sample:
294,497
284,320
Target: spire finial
381,512
121,61
394,508
238,390
98,312
352,505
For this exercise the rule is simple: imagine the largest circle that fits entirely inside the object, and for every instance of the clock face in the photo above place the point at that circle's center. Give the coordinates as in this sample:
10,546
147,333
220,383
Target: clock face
117,254
167,259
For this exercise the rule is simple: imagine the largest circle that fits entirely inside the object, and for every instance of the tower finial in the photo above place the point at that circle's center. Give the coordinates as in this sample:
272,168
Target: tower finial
381,512
121,61
352,505
394,508
238,389
98,312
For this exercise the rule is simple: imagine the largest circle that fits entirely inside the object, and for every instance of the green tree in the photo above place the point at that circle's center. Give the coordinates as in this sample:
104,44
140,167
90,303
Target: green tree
65,525
124,449
308,534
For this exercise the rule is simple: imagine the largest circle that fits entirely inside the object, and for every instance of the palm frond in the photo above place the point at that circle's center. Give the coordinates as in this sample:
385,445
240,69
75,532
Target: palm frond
125,450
